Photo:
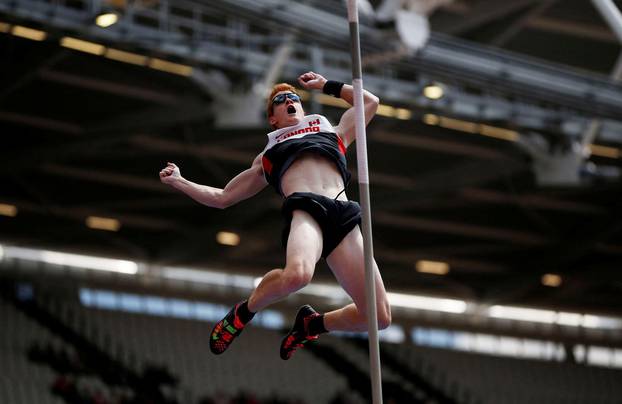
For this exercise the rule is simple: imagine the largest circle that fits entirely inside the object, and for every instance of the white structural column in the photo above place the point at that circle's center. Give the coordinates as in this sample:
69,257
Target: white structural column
612,15
361,155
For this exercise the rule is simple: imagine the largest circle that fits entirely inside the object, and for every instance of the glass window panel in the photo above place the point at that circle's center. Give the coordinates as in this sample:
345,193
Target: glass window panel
131,303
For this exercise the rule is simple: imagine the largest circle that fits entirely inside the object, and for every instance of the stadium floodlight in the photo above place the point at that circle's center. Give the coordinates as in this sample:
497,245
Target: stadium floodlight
427,303
29,33
523,314
551,280
82,46
8,210
432,267
228,238
103,223
105,20
73,260
433,91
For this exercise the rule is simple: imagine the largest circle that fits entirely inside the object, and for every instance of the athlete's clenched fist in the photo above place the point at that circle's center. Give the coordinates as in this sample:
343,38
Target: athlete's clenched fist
312,81
170,173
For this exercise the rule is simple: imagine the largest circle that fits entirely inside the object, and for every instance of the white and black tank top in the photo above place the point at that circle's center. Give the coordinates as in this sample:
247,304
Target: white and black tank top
313,134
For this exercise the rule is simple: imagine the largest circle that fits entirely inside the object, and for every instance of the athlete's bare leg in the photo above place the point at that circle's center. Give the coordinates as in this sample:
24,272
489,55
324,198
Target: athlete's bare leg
348,265
304,249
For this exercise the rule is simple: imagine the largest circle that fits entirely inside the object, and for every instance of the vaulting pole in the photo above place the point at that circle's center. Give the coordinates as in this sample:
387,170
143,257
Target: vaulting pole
361,156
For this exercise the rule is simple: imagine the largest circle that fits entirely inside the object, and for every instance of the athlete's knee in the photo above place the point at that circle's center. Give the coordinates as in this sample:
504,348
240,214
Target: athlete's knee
298,274
384,315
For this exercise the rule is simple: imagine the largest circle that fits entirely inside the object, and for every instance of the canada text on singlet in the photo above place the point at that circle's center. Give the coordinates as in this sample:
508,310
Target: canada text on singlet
313,134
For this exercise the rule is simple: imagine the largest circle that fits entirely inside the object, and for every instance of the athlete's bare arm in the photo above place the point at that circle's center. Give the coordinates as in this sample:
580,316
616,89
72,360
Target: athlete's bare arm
246,184
345,129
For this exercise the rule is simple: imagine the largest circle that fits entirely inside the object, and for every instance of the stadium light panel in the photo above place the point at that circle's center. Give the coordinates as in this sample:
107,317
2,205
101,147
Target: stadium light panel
386,110
29,33
126,57
431,119
403,114
170,67
427,303
551,280
499,133
208,277
605,151
336,293
72,260
228,238
458,124
592,321
432,267
83,46
523,314
8,210
569,319
103,223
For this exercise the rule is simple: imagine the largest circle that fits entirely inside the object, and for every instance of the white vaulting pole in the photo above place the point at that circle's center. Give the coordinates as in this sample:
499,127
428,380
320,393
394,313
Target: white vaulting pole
361,156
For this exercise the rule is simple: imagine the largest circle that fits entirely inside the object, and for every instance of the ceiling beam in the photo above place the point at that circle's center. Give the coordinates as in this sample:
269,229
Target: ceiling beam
514,28
241,157
570,252
481,13
184,112
462,264
458,229
80,213
381,217
109,87
30,73
463,249
535,201
612,249
158,202
578,29
154,143
42,123
443,58
110,178
221,153
452,147
448,180
537,22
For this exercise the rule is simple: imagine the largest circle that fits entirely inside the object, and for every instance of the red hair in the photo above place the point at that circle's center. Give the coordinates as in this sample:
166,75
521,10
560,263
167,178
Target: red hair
277,88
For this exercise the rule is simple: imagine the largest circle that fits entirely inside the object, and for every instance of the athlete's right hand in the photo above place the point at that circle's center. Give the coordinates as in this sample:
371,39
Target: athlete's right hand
170,174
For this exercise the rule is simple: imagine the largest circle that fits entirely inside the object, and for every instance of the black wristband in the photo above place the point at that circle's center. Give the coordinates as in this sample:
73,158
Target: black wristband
333,88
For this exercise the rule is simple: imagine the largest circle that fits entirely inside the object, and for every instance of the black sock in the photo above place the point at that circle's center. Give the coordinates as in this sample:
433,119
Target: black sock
316,325
244,313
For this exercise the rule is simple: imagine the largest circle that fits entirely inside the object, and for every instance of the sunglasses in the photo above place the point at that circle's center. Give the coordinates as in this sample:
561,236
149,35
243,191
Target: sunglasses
279,99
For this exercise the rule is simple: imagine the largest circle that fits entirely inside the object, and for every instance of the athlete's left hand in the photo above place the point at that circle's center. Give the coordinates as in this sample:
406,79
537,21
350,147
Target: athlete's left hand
312,81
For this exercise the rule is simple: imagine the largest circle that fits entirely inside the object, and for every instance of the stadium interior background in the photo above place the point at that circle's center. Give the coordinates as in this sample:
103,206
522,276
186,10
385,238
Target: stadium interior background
494,159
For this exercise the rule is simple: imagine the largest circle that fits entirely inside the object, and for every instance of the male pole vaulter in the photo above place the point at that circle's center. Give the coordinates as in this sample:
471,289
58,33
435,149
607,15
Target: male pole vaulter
304,160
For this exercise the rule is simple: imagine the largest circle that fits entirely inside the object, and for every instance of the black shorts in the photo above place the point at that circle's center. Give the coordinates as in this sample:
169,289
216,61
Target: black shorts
336,218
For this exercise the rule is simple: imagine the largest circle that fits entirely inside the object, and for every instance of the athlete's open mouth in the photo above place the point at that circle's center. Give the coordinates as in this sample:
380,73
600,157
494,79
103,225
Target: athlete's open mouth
291,109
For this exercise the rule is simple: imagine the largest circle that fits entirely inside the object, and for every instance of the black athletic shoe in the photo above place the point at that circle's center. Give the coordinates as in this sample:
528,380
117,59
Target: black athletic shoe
298,336
225,331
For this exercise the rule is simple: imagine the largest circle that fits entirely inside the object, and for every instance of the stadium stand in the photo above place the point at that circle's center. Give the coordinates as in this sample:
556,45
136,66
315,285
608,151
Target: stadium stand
499,380
250,365
54,347
22,381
